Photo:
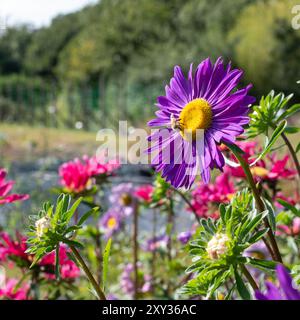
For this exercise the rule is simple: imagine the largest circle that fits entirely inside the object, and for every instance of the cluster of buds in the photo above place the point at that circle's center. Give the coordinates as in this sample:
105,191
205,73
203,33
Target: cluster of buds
217,246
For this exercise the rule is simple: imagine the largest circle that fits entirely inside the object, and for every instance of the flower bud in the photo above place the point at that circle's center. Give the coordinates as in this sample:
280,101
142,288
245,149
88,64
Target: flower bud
42,225
217,246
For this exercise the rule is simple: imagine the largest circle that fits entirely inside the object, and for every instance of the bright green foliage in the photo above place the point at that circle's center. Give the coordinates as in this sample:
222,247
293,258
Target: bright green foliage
270,112
161,187
215,262
52,226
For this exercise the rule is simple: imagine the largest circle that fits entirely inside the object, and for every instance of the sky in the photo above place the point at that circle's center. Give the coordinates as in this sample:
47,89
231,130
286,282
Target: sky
37,12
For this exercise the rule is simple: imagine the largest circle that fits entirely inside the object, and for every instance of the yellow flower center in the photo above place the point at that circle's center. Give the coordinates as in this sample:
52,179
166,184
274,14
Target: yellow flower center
259,172
195,115
126,199
111,223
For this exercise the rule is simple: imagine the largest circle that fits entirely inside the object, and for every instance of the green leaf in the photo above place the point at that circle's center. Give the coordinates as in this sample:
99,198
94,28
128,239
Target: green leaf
262,264
276,134
106,255
87,215
57,266
289,206
69,214
271,214
289,112
234,148
252,224
291,130
73,243
258,235
297,148
241,288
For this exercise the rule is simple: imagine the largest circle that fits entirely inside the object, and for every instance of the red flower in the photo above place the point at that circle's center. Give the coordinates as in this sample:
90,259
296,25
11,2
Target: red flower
97,165
207,197
6,187
74,175
8,291
279,169
144,193
68,268
13,248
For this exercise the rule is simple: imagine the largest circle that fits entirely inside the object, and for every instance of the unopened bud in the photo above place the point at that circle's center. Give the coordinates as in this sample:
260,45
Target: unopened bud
217,246
42,225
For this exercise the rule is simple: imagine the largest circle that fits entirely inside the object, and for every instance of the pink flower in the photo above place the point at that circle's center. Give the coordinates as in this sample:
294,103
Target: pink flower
68,268
6,187
11,249
14,248
207,197
290,200
279,169
7,291
268,170
293,230
75,176
144,193
97,165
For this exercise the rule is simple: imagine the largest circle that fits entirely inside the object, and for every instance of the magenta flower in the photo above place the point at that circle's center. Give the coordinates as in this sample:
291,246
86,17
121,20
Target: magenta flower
292,230
285,290
207,102
5,189
68,268
144,193
207,197
110,222
97,166
13,248
280,170
75,176
8,291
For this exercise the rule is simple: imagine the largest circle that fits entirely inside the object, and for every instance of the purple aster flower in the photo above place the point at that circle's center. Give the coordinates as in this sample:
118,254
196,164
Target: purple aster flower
110,222
184,237
285,291
194,117
258,250
122,196
156,243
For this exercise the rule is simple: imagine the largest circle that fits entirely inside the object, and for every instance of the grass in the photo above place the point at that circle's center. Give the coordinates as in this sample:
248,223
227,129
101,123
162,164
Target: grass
19,142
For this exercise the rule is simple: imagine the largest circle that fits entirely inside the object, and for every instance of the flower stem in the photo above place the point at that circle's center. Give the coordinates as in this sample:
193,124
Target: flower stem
292,151
88,273
153,262
187,201
135,250
260,205
247,274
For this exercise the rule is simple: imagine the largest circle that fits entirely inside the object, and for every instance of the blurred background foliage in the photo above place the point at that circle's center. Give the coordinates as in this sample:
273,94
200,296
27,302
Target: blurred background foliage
116,55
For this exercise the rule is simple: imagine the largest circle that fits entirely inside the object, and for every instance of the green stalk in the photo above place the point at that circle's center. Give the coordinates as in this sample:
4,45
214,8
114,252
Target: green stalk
135,250
88,273
247,274
292,152
259,203
186,200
